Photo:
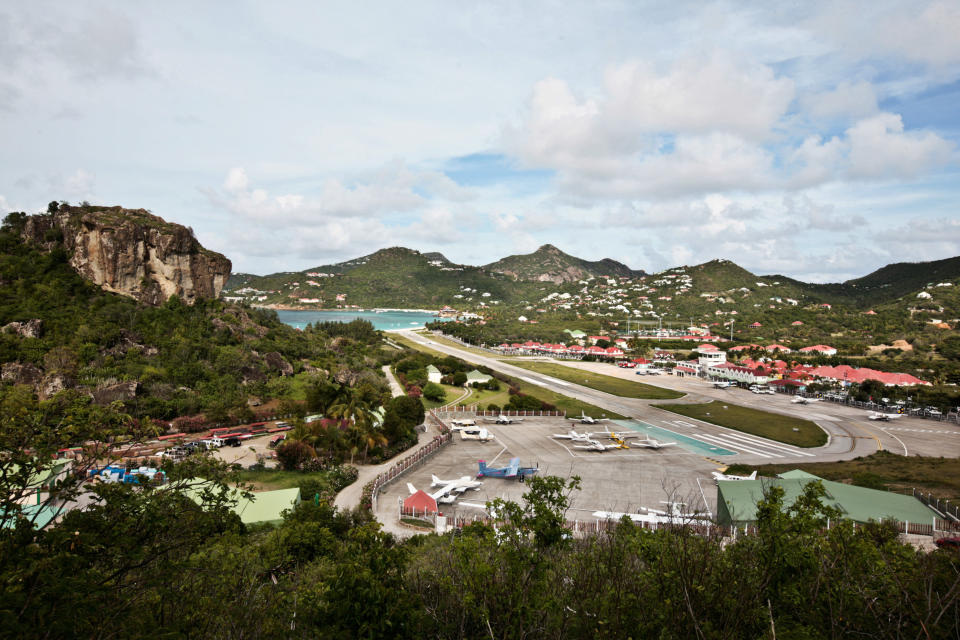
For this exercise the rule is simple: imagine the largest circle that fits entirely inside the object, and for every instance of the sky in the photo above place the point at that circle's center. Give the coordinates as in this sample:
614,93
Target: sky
819,140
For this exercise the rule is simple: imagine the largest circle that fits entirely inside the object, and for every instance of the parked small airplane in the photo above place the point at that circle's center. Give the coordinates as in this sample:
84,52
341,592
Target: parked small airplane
722,476
475,433
802,400
469,422
674,515
512,470
884,416
585,419
650,443
573,435
722,385
448,489
502,419
595,445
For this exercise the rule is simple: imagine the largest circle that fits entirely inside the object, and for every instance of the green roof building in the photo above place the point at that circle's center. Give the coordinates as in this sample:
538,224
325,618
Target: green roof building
475,377
737,500
265,507
576,334
433,374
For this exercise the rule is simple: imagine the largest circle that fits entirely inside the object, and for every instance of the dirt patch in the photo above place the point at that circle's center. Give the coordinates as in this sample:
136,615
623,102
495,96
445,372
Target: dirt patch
903,345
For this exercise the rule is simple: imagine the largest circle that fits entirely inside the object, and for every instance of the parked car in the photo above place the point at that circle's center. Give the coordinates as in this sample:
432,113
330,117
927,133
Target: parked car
952,542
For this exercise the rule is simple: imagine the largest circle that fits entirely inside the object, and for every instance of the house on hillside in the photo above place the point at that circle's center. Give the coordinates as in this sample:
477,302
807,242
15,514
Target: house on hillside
433,374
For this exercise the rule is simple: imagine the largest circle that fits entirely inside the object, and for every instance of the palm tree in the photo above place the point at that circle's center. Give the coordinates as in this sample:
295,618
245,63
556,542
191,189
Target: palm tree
362,419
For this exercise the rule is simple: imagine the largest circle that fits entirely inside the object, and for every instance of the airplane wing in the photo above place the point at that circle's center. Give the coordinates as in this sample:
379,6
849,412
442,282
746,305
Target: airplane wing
562,436
513,467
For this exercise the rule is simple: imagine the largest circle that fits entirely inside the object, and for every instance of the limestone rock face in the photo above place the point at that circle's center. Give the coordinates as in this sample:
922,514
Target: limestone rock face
119,391
276,362
29,329
133,253
18,373
53,384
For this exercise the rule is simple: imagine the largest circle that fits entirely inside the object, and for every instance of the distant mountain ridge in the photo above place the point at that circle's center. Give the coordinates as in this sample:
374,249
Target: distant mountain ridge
550,264
404,278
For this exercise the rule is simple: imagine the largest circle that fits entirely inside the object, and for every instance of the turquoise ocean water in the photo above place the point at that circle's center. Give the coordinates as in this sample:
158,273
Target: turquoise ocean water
384,320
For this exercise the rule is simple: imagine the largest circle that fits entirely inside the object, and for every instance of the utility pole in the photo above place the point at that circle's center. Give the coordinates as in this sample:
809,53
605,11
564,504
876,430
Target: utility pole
731,330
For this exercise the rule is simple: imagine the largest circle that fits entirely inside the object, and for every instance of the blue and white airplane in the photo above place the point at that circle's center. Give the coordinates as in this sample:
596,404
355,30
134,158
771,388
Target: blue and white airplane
512,470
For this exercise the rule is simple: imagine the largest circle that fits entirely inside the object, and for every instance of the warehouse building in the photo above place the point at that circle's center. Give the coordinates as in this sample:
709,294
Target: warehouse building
737,500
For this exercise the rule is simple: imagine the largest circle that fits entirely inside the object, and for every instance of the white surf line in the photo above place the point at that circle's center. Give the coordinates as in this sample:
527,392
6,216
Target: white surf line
770,445
737,446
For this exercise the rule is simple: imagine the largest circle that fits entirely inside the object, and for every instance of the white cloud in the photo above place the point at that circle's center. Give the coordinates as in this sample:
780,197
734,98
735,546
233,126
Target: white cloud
236,180
846,100
717,110
879,147
921,32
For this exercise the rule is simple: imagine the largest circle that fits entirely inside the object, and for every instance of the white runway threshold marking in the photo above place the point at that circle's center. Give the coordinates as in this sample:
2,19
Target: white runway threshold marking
737,446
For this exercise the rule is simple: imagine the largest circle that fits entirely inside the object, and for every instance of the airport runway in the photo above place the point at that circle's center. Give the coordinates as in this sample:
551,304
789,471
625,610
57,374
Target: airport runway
850,433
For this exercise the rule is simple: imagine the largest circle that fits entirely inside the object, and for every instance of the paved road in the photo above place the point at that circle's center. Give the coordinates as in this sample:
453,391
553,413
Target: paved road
395,387
850,434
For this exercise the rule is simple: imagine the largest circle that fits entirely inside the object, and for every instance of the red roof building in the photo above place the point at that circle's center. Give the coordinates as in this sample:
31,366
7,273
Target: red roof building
420,502
820,348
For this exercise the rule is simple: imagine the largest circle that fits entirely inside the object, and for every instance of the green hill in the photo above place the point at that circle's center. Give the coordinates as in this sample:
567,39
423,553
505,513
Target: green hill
549,264
61,331
394,277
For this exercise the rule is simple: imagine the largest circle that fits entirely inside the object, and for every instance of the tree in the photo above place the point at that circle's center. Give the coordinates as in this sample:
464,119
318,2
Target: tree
459,379
433,391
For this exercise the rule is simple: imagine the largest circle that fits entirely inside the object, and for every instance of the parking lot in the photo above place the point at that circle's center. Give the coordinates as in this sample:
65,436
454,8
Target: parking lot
620,480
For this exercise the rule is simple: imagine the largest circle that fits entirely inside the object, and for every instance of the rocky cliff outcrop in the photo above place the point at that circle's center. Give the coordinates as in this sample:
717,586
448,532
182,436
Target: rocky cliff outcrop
132,252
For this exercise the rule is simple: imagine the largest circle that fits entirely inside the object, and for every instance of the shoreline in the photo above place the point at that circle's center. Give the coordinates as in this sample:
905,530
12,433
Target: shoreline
285,307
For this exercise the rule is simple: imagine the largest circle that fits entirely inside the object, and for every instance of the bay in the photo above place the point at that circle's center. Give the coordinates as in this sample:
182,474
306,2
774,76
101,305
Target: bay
381,320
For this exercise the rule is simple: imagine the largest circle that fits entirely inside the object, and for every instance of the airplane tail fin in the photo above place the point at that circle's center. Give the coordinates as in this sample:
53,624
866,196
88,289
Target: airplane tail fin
753,476
412,489
435,480
482,467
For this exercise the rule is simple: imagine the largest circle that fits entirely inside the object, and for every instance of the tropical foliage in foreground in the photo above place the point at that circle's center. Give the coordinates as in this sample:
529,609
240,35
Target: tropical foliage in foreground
154,562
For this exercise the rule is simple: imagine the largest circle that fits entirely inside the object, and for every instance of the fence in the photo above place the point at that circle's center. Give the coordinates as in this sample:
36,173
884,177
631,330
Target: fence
480,413
950,513
410,462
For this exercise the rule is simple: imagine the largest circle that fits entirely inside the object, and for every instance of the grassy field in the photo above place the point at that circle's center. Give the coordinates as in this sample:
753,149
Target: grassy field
453,343
564,403
271,479
881,470
795,431
600,382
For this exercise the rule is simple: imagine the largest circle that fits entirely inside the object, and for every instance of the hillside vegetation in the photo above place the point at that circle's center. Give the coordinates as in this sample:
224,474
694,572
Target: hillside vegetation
549,264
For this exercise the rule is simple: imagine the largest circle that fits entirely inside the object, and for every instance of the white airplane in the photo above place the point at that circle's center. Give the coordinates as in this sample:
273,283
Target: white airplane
596,445
674,515
650,443
502,419
884,416
653,371
573,435
459,424
802,400
448,489
585,419
475,433
717,476
722,385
